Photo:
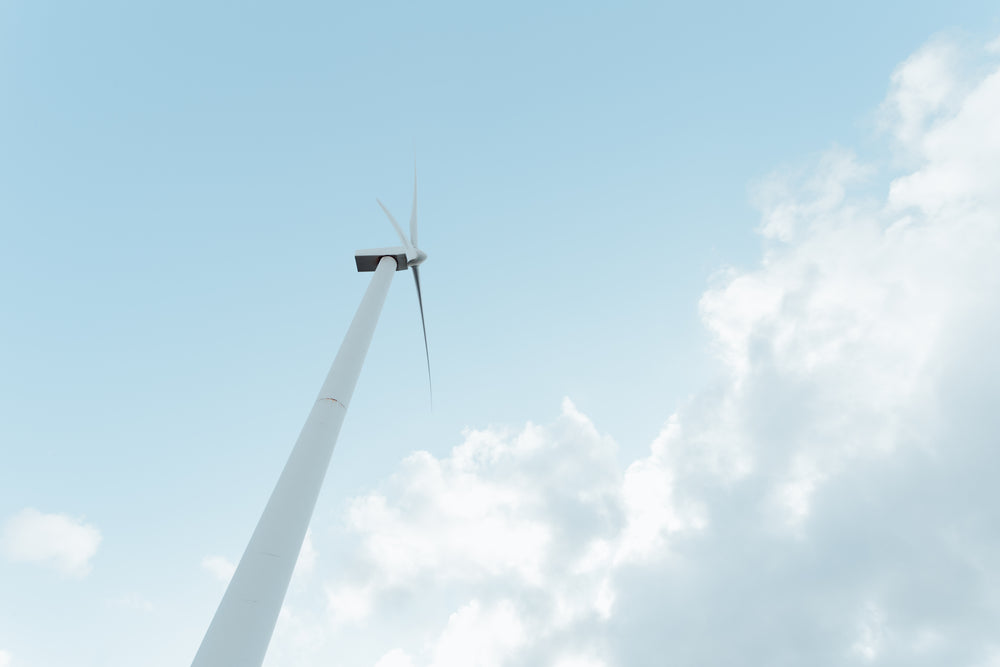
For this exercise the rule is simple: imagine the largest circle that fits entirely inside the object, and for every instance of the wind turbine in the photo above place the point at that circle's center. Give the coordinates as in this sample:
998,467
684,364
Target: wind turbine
241,629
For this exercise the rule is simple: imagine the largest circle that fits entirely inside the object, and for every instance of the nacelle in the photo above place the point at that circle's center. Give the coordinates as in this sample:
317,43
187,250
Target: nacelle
367,260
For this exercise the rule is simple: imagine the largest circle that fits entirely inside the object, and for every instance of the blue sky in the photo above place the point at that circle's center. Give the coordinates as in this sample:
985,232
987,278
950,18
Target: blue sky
182,187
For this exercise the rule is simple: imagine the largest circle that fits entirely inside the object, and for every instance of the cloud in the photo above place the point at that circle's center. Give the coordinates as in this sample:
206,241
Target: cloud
56,540
958,170
921,88
481,511
5,659
219,567
828,501
840,462
395,658
305,564
478,636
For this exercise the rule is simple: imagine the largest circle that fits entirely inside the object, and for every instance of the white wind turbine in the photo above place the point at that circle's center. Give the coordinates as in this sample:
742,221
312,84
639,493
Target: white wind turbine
241,629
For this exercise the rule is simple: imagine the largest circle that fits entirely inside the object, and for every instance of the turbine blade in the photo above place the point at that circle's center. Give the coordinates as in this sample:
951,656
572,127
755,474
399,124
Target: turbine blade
423,324
413,211
394,223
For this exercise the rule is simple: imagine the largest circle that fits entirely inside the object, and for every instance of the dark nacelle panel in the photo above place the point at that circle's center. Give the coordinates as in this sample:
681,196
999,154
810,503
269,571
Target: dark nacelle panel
367,260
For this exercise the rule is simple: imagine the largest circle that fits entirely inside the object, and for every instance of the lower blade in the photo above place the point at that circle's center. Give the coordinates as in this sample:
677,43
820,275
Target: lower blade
420,300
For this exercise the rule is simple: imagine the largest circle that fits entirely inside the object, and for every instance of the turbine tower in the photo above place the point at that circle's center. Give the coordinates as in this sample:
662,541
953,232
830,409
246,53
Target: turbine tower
241,629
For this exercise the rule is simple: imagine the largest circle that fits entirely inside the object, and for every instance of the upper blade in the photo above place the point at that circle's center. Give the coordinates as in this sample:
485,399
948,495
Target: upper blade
394,223
413,211
420,300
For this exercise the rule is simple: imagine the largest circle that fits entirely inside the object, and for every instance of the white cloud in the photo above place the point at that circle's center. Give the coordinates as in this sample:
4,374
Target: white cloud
959,171
56,540
482,637
925,85
484,510
829,501
219,567
5,659
395,658
651,510
349,603
862,365
580,661
870,636
305,565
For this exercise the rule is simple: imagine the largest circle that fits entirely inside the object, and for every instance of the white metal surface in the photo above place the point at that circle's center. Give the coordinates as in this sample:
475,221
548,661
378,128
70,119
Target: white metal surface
241,629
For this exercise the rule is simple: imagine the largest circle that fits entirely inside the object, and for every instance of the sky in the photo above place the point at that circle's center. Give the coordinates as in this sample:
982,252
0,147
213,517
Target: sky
711,306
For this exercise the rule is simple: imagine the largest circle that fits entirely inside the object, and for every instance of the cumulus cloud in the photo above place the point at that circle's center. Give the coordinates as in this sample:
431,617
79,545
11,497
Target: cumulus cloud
477,636
921,89
481,511
57,540
219,567
828,501
395,658
306,562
